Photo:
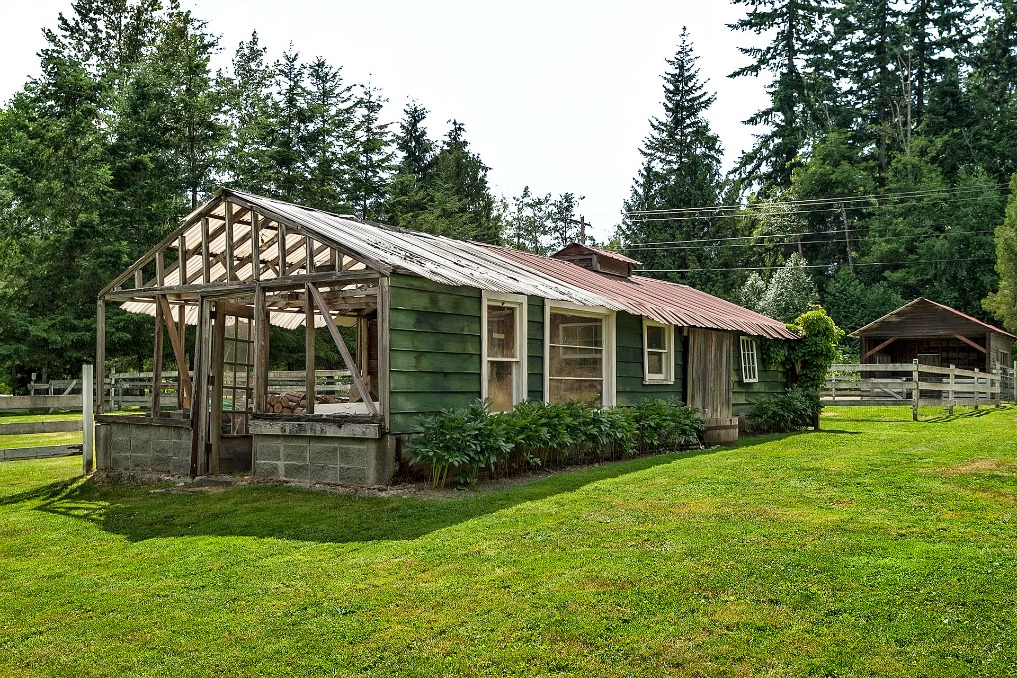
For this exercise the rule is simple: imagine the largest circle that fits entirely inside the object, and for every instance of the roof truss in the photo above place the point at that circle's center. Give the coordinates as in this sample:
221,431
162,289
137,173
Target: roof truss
229,243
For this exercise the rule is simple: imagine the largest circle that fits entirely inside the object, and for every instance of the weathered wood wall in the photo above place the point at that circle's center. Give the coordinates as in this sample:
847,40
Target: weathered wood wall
709,372
435,349
630,363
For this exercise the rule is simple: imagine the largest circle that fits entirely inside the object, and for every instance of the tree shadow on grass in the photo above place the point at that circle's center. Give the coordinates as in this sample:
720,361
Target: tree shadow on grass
268,511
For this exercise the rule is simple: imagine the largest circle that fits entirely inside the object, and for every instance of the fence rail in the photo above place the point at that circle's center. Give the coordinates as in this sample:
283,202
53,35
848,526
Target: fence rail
916,385
134,389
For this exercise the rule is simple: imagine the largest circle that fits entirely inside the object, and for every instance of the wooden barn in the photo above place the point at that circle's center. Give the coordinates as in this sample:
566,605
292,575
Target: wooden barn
436,323
936,335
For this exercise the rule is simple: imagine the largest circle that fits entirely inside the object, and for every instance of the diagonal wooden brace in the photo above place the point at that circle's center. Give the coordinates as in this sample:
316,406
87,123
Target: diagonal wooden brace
358,381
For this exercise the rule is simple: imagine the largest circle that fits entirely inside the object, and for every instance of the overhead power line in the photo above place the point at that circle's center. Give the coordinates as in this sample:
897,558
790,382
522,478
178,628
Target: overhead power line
791,240
773,268
835,202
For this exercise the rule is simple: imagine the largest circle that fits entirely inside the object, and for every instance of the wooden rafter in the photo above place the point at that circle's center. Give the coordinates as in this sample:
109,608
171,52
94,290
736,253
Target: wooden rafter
881,346
971,343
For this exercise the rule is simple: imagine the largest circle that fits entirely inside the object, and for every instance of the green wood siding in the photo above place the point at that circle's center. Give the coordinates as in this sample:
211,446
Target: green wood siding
435,349
535,348
629,346
772,381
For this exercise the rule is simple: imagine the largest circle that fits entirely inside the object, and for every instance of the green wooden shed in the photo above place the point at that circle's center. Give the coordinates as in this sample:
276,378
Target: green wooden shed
438,323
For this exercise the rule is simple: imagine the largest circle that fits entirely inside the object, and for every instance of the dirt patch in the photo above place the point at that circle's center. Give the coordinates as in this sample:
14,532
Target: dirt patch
995,466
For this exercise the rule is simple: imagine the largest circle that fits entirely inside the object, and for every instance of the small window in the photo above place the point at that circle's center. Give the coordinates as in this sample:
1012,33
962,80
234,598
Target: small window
658,352
504,349
750,372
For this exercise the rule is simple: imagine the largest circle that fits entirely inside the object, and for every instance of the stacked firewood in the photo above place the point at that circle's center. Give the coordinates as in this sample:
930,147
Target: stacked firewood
295,402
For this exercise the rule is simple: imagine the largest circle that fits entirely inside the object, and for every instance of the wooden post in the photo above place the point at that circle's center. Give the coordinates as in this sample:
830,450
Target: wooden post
199,394
100,354
206,262
260,327
87,420
228,209
309,349
182,260
157,362
160,270
216,369
917,392
950,393
384,342
183,401
255,247
976,389
281,249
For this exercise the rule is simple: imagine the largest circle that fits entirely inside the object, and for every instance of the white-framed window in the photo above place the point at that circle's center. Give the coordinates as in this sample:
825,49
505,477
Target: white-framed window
503,350
579,354
750,369
658,352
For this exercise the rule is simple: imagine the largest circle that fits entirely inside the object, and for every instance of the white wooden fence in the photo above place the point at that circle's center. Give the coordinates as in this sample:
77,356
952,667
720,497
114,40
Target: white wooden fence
57,397
915,385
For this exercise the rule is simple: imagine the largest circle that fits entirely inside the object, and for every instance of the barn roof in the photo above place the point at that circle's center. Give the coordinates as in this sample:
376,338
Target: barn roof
452,262
915,308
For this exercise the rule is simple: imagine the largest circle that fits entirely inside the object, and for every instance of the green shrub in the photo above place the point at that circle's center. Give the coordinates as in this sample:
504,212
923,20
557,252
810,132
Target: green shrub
665,425
459,442
817,348
794,410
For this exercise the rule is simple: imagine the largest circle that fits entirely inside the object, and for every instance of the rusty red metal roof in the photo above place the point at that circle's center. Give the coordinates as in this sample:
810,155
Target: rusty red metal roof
665,302
875,323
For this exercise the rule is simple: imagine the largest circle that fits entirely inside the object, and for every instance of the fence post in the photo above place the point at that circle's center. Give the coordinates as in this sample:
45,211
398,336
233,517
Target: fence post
917,392
949,393
87,420
977,384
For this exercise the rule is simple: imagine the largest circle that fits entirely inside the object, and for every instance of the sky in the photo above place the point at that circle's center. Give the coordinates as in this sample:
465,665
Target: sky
554,94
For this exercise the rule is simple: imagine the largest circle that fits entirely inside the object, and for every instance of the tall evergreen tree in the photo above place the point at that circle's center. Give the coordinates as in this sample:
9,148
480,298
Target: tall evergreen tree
795,57
681,169
328,143
993,88
371,162
247,112
407,197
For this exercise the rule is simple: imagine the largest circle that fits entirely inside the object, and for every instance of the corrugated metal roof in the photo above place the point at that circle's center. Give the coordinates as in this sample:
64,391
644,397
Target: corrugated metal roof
489,267
665,302
875,323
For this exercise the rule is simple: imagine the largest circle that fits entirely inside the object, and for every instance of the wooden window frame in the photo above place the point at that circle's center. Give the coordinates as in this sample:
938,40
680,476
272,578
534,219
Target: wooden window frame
520,302
667,376
750,360
610,359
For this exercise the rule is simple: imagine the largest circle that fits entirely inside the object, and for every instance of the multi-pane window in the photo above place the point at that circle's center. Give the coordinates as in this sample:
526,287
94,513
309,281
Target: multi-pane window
238,384
658,355
750,370
504,351
579,357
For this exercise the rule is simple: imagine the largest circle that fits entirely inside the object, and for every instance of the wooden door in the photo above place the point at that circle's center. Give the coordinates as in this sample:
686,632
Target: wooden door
708,380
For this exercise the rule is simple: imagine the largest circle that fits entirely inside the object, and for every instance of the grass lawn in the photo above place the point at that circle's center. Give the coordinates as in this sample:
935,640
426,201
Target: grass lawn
870,548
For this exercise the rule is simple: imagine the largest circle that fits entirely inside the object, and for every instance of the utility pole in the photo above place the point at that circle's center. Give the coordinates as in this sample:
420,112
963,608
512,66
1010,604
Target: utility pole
581,222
